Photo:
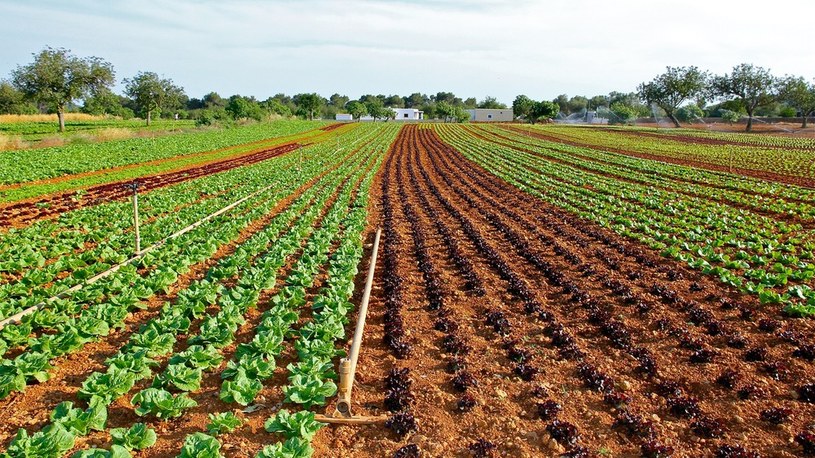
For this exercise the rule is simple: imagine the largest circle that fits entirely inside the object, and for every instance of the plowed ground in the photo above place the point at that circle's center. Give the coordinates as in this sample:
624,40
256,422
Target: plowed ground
487,294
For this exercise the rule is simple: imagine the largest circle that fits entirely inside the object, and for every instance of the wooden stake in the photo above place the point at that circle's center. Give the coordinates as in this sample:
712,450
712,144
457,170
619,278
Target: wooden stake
348,366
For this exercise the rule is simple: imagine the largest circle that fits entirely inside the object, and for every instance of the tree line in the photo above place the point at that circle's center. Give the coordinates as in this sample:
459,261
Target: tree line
688,93
57,81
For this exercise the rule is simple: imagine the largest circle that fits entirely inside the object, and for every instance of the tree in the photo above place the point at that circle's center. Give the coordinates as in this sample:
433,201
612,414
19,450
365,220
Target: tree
357,109
689,113
578,104
308,103
460,114
213,100
799,94
395,101
563,103
522,106
57,78
444,111
106,102
491,102
730,116
597,101
416,100
377,109
274,106
338,100
12,101
470,102
751,85
151,93
240,107
544,110
623,113
672,88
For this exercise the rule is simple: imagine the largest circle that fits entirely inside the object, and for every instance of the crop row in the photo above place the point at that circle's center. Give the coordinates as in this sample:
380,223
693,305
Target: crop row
753,194
254,273
91,312
24,166
600,317
739,248
776,159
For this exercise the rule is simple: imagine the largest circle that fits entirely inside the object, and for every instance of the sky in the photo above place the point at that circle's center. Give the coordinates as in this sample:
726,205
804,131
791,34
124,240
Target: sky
473,48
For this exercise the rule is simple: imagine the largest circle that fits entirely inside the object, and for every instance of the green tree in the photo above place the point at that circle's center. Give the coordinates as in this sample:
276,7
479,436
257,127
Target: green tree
308,103
730,115
13,101
377,109
577,104
689,113
57,78
597,101
623,112
106,102
395,101
357,109
448,97
799,94
275,106
150,93
673,88
522,106
213,100
491,102
460,114
444,111
752,86
240,107
470,102
337,100
562,102
543,111
416,100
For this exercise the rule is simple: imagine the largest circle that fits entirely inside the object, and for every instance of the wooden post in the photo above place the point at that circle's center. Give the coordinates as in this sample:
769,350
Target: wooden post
135,188
348,366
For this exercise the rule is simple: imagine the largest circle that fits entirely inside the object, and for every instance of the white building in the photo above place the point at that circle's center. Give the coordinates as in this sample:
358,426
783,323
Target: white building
408,114
400,114
491,115
343,117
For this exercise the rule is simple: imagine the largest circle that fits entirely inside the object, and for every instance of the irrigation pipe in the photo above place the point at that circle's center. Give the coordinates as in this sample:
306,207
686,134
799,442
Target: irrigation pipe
19,315
348,365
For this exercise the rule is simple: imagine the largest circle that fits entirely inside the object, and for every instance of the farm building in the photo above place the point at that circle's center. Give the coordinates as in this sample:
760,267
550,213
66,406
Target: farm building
401,114
491,115
408,114
343,117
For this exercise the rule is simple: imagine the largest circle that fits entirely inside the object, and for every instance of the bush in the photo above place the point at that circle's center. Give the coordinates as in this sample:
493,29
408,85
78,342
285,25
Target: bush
689,113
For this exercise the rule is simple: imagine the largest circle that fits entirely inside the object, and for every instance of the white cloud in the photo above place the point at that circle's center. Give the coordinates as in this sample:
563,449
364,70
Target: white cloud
473,48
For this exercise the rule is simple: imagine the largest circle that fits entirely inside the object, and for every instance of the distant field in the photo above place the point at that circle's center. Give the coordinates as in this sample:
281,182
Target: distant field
39,131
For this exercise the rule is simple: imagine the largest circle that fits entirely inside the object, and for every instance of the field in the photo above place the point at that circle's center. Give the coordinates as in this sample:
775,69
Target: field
540,291
42,131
